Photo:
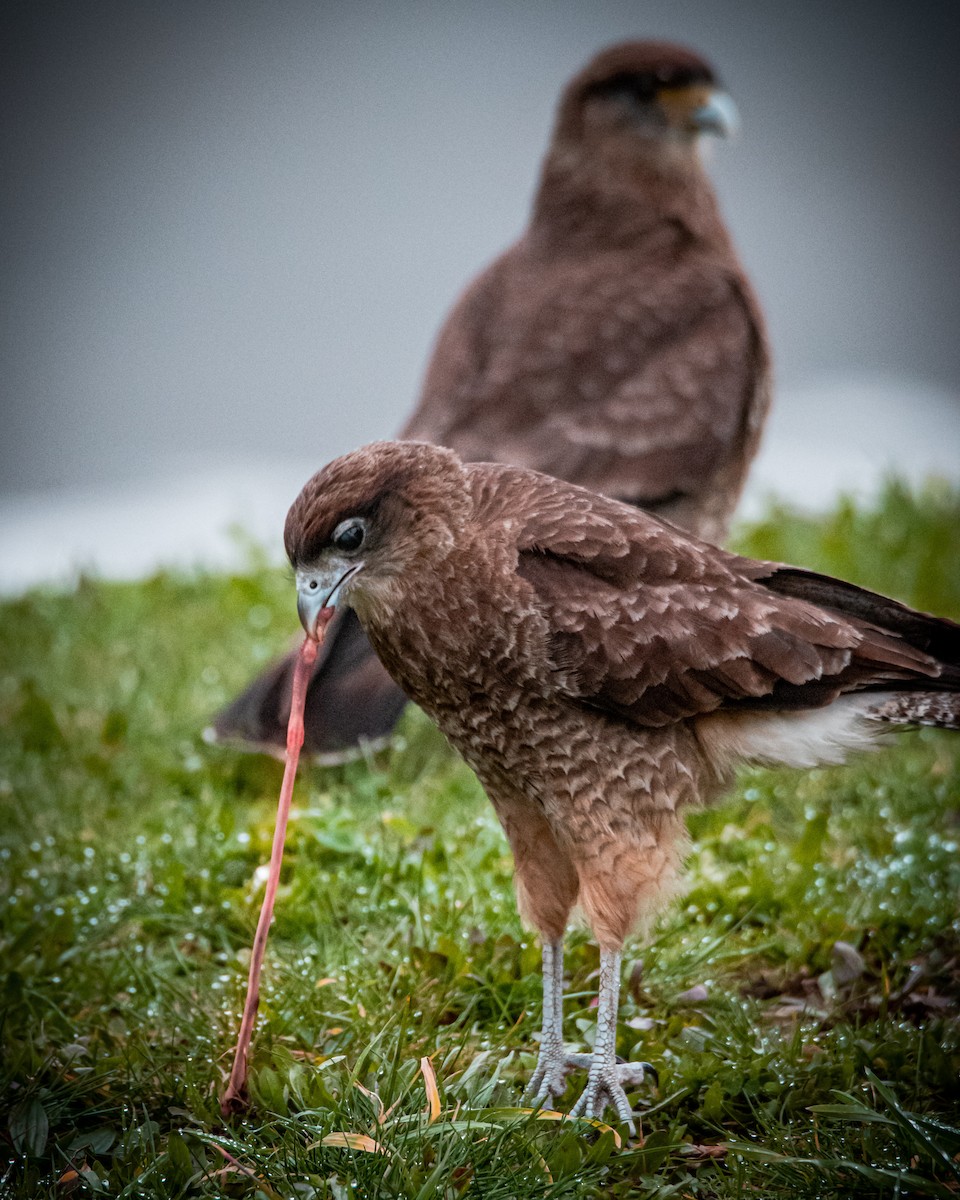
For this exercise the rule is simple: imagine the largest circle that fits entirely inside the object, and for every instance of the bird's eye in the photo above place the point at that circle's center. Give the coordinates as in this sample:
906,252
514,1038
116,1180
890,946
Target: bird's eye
348,535
628,88
644,89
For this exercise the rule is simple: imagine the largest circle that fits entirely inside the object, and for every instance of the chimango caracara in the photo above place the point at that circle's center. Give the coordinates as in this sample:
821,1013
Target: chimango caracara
617,345
601,671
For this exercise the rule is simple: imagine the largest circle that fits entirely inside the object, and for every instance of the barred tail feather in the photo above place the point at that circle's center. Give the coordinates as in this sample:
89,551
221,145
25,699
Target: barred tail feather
941,709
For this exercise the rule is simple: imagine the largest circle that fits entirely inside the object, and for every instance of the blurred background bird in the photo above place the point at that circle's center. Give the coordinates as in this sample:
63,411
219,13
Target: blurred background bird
226,224
617,345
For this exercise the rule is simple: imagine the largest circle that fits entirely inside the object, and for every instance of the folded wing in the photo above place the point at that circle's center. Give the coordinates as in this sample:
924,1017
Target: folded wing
654,626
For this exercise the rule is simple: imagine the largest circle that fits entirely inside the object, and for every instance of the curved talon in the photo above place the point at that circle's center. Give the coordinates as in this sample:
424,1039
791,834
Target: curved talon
606,1086
599,1093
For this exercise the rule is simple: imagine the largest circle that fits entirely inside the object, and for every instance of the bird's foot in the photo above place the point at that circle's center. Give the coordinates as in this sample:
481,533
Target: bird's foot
549,1079
605,1086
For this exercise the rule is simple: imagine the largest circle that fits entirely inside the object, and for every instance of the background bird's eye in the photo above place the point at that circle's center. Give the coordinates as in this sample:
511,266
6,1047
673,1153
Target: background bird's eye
643,88
628,87
349,535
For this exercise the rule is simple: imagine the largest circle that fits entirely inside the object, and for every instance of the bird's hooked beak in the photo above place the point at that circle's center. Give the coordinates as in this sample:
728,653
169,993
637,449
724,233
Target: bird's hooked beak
318,592
717,115
699,108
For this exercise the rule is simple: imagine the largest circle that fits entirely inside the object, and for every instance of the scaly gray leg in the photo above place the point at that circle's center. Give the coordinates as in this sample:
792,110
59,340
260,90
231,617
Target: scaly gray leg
605,1083
549,1078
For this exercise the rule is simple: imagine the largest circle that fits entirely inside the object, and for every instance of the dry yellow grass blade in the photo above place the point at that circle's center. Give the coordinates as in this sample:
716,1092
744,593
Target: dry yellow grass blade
352,1141
430,1084
374,1099
549,1114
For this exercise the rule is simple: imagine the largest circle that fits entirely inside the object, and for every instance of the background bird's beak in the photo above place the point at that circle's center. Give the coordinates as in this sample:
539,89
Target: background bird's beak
718,115
318,591
699,108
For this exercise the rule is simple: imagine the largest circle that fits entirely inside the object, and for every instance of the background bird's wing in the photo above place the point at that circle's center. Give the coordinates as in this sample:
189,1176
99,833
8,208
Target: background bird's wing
351,700
654,626
637,375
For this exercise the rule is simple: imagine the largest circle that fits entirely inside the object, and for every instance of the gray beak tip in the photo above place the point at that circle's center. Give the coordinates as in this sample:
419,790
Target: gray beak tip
718,116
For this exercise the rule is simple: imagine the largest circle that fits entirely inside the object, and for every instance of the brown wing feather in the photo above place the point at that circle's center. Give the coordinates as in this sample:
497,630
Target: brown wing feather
655,626
937,636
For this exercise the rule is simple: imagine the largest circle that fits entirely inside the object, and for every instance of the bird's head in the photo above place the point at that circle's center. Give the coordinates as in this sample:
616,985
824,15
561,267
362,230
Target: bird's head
368,519
648,91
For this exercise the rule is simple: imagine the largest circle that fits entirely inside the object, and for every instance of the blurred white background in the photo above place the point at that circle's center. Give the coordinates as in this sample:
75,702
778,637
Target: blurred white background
230,231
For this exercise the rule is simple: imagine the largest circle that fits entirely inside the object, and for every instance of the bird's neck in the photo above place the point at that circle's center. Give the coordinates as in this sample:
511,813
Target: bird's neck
441,654
584,202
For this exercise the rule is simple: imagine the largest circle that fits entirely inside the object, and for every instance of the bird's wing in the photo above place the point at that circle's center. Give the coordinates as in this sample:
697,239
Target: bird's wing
662,392
654,626
637,375
351,700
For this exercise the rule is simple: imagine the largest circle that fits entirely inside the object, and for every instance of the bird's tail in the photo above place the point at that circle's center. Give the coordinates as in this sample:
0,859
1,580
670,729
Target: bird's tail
351,704
941,709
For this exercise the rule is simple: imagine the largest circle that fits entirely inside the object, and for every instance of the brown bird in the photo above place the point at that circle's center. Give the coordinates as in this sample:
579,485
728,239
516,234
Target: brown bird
601,671
617,345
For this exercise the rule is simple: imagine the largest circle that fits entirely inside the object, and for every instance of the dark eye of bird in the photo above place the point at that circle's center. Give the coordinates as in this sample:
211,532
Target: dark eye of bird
348,535
628,85
643,88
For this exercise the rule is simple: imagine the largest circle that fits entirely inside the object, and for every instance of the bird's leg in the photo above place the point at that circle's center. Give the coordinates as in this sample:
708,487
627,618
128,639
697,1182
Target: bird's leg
607,1077
549,1078
554,1064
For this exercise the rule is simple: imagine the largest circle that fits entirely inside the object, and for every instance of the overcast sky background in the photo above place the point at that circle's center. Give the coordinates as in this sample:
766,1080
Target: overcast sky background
230,230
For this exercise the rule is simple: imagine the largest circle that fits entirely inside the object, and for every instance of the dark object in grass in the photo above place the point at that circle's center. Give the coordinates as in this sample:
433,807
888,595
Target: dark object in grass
617,345
601,671
236,1098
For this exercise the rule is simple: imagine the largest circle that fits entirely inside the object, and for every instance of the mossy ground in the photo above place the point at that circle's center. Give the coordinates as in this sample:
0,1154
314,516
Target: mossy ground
129,894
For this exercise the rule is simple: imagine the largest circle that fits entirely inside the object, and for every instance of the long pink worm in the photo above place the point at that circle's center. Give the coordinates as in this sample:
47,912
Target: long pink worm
236,1098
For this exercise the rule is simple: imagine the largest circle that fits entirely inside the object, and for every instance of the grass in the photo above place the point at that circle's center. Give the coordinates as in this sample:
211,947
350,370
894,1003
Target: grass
800,1001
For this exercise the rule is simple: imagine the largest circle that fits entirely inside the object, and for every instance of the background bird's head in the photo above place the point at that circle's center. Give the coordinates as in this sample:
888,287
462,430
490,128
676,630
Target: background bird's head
370,518
642,96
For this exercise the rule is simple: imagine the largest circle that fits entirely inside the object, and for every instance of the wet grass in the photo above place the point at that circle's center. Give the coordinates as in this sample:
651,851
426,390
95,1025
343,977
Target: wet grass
801,1000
